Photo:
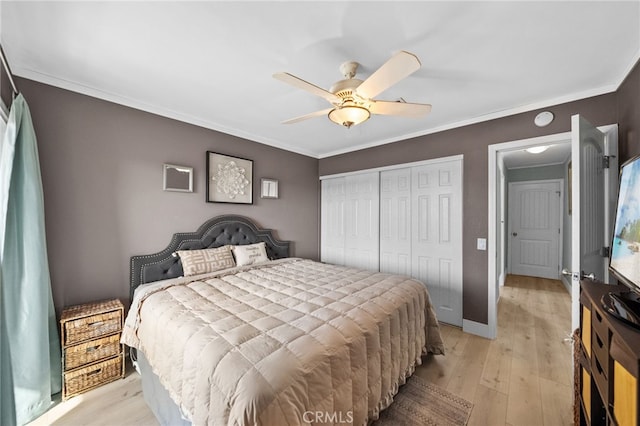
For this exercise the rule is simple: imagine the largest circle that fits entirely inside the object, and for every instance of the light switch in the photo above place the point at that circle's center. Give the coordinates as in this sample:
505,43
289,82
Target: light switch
482,243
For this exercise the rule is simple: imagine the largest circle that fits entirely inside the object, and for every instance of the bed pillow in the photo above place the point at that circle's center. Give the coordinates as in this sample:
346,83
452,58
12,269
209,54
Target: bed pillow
196,262
250,254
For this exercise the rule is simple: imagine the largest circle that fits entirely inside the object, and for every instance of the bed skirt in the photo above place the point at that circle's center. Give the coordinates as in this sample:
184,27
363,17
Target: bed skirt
157,397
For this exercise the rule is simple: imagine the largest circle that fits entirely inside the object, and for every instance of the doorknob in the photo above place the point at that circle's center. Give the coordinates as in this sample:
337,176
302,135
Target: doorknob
590,276
515,234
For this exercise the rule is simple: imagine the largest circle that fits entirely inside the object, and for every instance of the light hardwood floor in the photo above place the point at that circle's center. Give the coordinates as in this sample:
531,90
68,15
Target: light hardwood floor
524,377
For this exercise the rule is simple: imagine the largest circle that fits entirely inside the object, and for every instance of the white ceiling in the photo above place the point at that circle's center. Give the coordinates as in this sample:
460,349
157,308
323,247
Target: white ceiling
211,63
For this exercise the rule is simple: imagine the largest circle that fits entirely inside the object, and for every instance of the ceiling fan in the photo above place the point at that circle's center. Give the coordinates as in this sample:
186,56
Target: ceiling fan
352,99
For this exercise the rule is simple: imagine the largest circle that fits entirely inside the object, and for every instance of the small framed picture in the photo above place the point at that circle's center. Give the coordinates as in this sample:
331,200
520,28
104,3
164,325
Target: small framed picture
229,179
269,188
177,178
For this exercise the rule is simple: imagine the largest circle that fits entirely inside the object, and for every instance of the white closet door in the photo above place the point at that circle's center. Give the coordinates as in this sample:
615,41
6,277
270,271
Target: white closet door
362,244
333,220
436,211
395,221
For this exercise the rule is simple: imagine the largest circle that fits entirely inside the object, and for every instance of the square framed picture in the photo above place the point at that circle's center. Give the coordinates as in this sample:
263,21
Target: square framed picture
177,178
229,179
268,188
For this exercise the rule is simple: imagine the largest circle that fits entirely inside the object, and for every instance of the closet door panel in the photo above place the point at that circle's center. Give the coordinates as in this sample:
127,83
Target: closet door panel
437,245
362,244
333,208
395,221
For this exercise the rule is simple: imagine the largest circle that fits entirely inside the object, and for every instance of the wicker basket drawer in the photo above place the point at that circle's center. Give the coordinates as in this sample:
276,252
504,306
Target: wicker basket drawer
90,327
92,351
91,376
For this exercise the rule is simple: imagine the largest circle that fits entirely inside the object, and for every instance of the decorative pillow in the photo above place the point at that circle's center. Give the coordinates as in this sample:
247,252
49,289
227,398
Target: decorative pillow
250,254
196,262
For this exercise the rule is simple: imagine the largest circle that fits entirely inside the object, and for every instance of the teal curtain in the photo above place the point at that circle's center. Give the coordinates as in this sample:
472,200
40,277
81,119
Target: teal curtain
31,374
7,403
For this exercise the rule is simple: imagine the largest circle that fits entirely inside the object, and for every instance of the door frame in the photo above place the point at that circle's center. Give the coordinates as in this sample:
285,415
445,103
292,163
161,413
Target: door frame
560,217
490,330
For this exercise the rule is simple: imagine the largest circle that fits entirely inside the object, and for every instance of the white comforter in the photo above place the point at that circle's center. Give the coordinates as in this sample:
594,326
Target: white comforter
284,343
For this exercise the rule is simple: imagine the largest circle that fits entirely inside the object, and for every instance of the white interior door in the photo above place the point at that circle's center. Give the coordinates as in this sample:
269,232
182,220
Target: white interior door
395,221
362,244
534,219
436,250
589,203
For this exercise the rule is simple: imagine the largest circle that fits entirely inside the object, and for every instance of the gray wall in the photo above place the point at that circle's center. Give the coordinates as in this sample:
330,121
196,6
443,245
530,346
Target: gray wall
536,173
629,115
472,141
102,175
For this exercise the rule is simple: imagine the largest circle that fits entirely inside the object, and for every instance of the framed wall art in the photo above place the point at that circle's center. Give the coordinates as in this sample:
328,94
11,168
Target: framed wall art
229,179
177,178
268,188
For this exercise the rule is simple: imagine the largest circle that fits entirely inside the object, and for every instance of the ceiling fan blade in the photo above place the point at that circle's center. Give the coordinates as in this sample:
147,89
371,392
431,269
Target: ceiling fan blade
307,116
305,85
404,109
395,69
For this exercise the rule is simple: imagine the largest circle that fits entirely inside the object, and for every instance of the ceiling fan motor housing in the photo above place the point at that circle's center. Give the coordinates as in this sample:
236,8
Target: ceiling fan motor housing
345,89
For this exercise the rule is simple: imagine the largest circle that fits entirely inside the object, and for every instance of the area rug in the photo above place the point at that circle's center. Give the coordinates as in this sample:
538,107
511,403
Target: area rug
420,403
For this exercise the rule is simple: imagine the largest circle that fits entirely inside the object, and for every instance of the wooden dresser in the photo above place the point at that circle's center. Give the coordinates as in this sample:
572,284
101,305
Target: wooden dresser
609,362
91,351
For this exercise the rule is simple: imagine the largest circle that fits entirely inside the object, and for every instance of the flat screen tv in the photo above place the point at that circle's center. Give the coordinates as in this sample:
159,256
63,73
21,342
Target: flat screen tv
624,260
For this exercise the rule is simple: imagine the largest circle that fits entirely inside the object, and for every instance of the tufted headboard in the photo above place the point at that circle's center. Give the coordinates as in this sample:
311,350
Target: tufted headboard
216,232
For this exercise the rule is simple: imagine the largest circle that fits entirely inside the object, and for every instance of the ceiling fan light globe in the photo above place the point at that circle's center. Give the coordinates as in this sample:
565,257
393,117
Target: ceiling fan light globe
349,115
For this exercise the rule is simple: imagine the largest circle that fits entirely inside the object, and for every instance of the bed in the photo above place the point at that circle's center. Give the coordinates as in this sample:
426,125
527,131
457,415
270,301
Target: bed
284,341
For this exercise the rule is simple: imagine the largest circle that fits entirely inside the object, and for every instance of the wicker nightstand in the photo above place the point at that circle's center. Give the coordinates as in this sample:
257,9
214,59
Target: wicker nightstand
91,351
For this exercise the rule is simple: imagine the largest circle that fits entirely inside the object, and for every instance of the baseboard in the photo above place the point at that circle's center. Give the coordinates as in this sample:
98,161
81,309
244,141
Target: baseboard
501,281
478,328
503,277
566,282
